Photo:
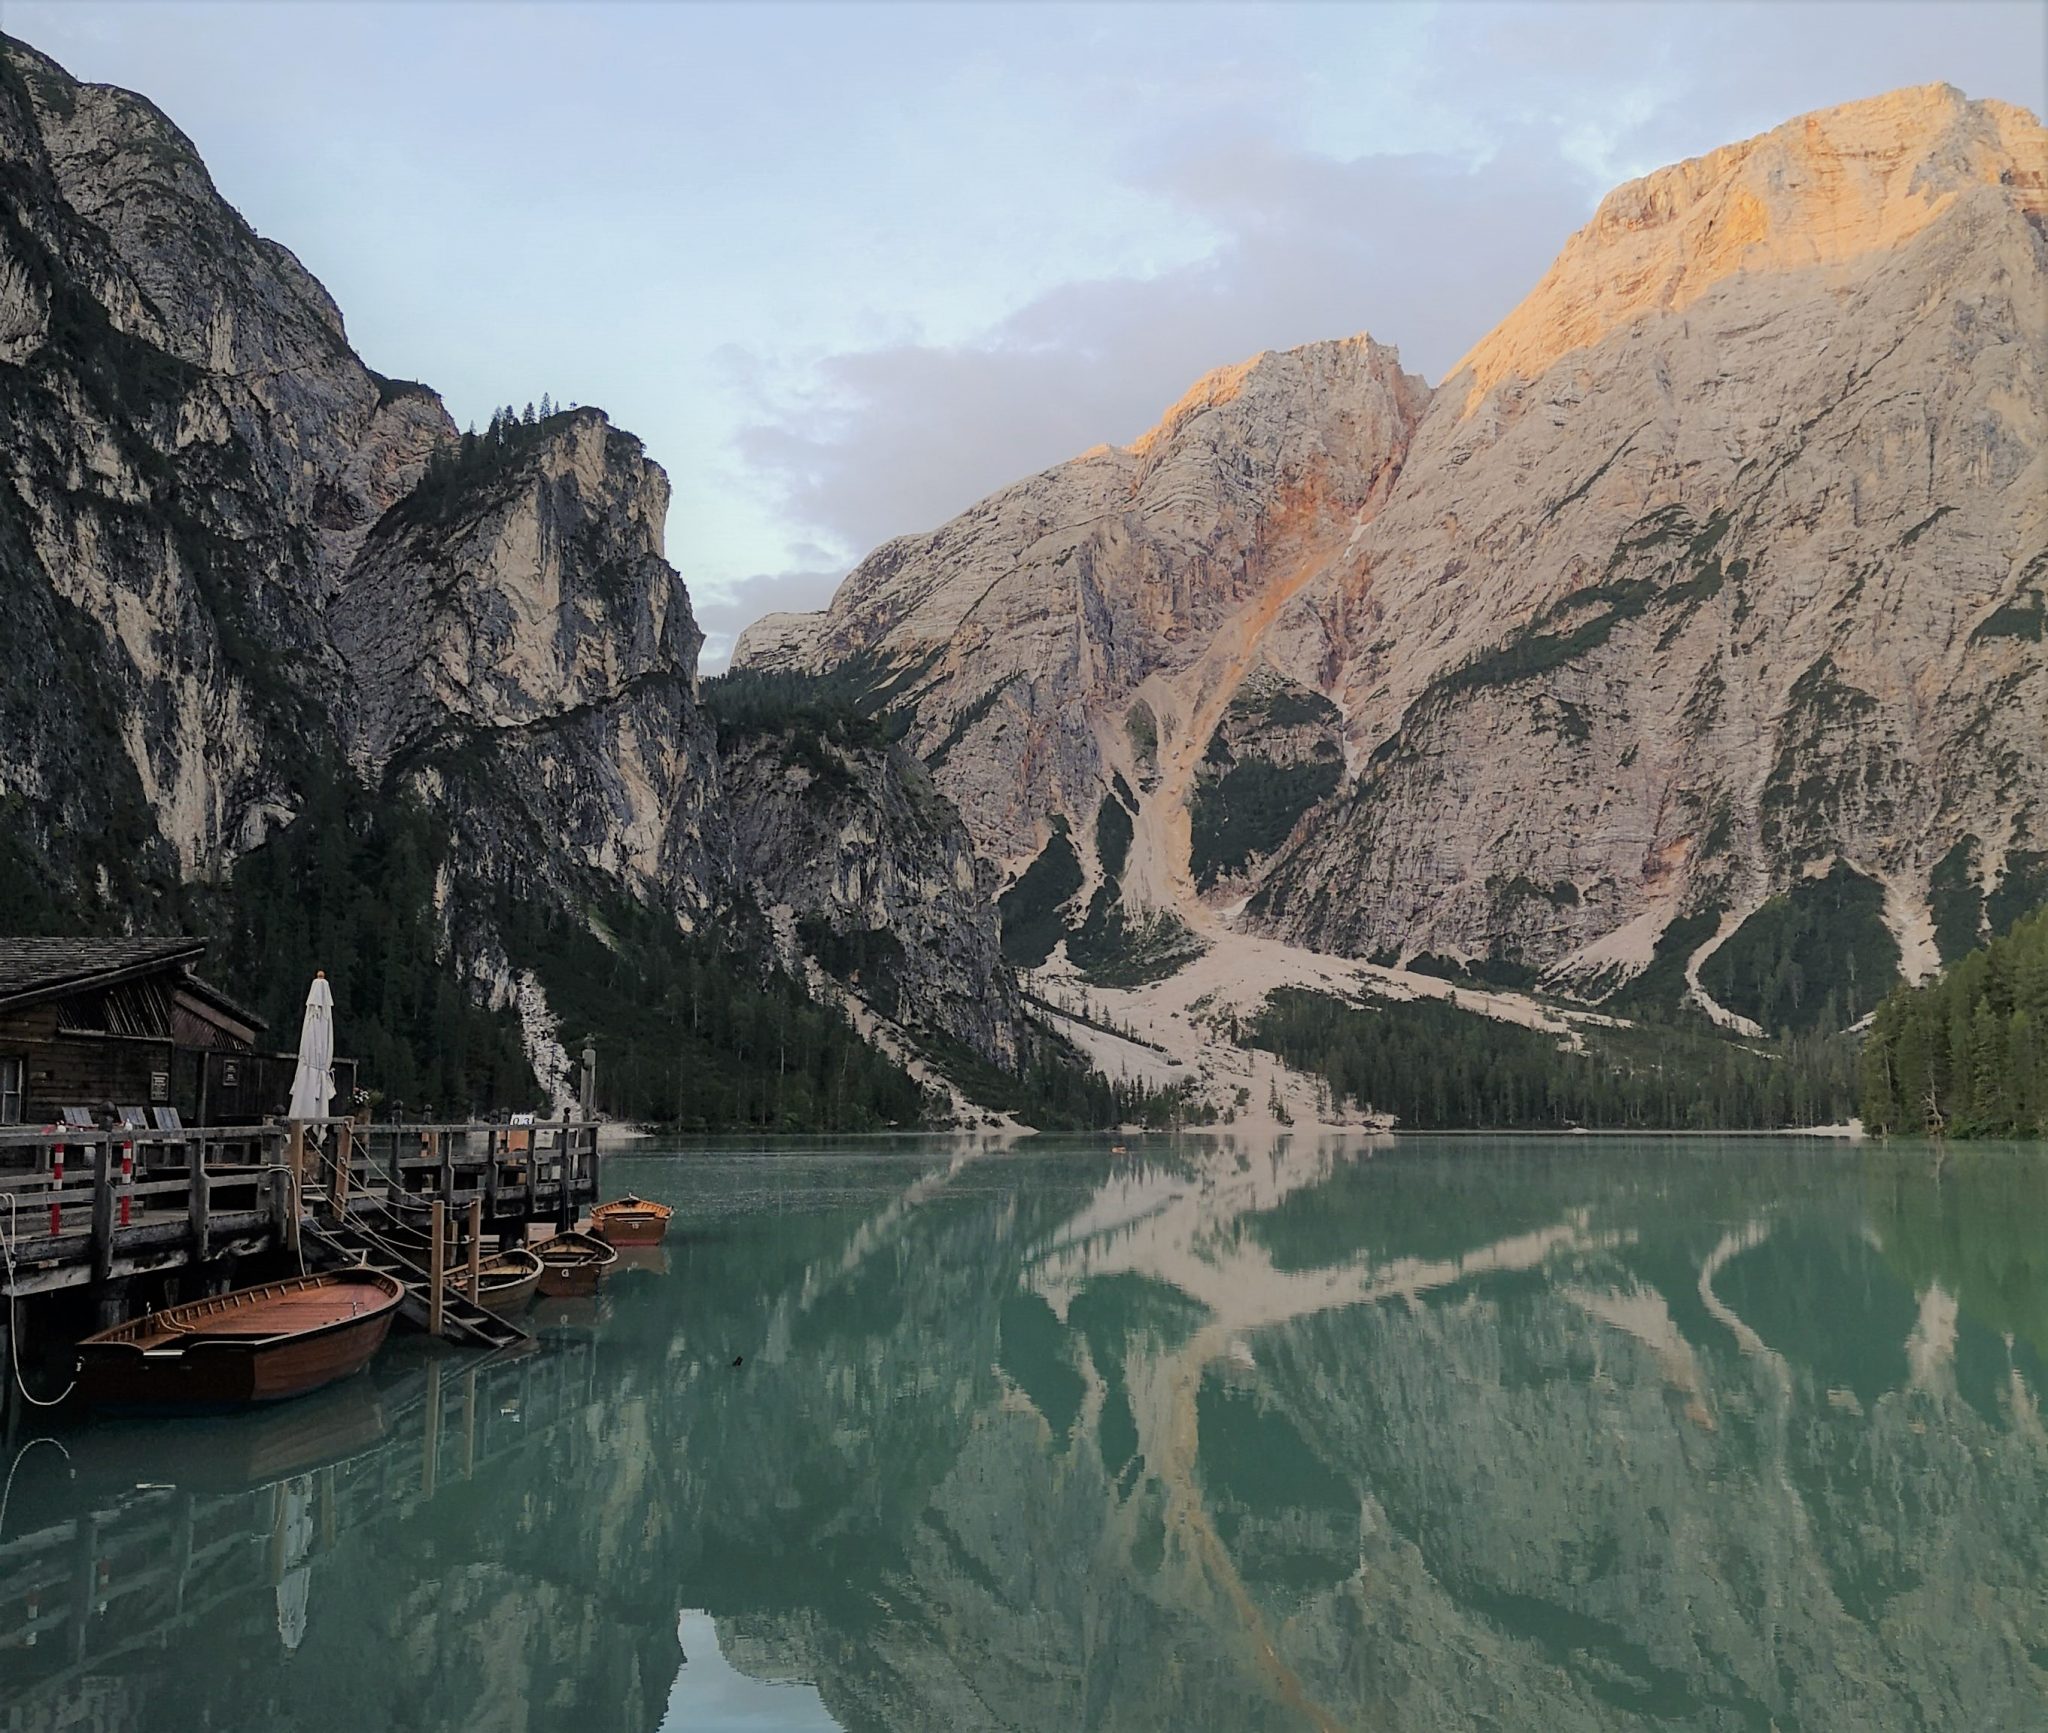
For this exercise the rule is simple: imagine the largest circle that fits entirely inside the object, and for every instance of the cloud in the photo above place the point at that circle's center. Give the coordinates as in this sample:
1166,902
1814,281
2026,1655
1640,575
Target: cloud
1424,251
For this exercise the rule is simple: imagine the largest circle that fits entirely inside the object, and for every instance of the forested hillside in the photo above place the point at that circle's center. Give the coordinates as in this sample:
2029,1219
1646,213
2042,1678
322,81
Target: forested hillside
1966,1055
1437,1068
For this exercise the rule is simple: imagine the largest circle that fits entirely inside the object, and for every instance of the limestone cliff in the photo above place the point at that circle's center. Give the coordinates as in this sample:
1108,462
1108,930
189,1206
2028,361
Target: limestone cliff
1024,632
1715,572
240,567
879,879
1703,572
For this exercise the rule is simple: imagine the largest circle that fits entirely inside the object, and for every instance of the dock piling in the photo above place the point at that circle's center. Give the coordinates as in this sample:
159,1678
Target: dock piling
437,1268
103,1210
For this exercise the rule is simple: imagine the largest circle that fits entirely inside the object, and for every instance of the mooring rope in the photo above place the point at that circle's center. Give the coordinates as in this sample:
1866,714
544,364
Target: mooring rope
14,1332
298,1207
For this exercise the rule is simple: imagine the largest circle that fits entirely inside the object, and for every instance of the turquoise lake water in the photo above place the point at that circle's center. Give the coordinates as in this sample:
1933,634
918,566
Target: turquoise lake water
1418,1433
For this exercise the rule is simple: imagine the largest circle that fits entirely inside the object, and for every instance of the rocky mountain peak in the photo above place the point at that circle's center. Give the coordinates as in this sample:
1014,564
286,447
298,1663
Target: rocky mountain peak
1708,587
1834,191
258,590
547,587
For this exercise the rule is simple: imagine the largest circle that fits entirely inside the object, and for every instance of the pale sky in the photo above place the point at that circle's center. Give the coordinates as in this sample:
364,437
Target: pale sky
847,268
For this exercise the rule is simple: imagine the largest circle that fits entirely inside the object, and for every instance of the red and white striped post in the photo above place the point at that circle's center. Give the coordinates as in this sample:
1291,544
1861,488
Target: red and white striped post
127,1178
56,1190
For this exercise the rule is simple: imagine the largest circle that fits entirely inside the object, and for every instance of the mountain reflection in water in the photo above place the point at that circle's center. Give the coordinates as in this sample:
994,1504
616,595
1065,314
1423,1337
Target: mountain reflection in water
1401,1434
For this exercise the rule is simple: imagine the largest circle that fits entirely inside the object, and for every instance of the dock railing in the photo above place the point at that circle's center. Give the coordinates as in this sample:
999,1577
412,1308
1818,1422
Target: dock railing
82,1205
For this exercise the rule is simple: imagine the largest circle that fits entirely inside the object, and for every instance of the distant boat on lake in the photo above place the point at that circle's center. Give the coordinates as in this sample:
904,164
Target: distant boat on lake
631,1221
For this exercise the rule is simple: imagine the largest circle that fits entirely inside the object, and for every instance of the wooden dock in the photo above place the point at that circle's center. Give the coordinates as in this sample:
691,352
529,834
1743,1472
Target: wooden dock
116,1216
85,1208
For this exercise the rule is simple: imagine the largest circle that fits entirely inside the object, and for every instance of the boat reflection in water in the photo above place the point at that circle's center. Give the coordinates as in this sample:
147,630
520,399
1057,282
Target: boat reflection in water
1417,1434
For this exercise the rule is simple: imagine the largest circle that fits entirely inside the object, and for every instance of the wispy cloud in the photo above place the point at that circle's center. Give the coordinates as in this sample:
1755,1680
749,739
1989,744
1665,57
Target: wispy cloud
1423,251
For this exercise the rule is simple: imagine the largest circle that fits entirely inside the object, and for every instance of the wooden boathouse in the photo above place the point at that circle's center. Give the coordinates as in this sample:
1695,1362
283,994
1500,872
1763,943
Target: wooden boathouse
129,1023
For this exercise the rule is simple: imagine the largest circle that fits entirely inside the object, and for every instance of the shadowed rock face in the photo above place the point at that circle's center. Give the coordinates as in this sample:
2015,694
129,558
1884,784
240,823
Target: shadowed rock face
237,559
1719,561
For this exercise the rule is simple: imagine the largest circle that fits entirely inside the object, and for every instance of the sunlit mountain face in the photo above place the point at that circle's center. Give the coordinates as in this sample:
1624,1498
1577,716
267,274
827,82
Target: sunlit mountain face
1403,1434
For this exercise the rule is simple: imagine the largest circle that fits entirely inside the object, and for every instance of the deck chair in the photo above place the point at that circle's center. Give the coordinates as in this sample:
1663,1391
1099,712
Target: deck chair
167,1119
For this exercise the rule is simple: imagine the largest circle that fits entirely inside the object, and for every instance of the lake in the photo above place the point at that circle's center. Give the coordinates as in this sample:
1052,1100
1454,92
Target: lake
1415,1433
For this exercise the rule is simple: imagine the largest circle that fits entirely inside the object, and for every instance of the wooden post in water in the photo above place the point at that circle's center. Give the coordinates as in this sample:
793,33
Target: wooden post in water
289,1182
86,1565
198,1201
589,1105
344,1160
437,1272
103,1210
491,1175
181,1551
565,1208
476,1251
275,1555
445,1147
430,1446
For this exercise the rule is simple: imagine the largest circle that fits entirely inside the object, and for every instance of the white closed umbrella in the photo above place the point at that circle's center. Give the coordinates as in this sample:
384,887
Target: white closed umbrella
313,1082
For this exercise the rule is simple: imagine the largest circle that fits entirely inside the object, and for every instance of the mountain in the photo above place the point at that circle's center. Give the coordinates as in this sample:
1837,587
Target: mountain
294,661
1686,642
1680,655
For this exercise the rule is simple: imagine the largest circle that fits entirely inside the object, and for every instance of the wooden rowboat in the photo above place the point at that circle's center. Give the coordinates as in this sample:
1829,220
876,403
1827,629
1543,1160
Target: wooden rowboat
507,1281
259,1345
630,1221
573,1263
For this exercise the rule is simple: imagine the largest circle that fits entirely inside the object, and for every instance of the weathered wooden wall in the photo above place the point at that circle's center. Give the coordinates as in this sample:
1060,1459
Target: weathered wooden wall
78,1070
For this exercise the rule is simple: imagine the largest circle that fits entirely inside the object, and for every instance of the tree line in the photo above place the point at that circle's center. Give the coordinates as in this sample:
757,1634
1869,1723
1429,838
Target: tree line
1966,1054
1436,1067
454,467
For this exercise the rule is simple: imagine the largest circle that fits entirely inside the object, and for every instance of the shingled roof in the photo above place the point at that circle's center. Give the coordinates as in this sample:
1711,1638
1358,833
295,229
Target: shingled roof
33,969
